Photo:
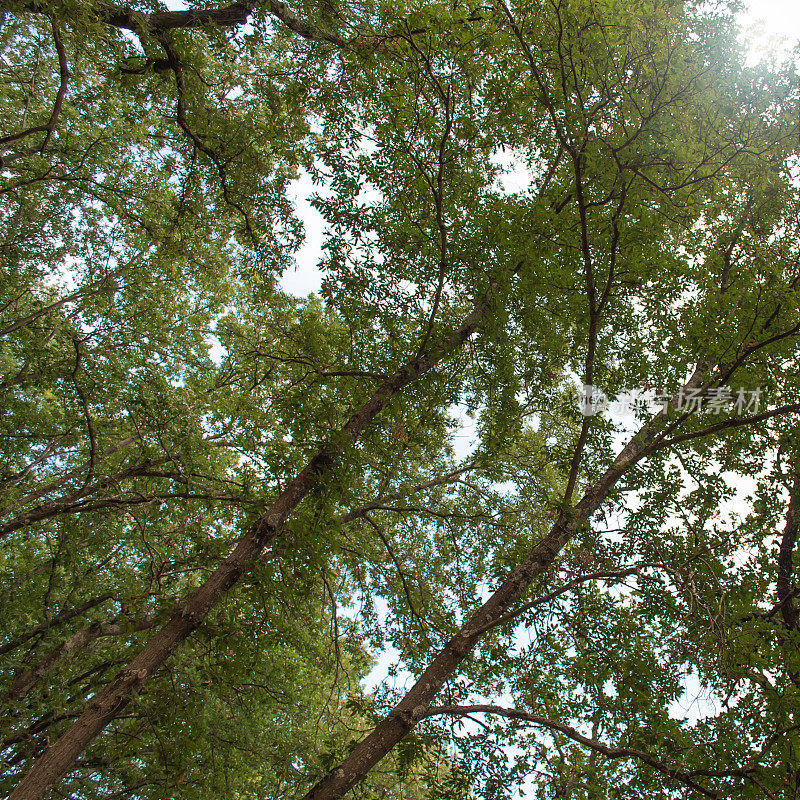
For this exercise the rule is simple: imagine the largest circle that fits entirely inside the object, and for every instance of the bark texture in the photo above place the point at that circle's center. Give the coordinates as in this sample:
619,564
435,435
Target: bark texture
415,705
125,17
785,587
229,16
107,704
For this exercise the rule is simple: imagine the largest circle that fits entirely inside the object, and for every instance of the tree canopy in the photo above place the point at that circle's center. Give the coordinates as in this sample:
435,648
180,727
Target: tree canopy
226,509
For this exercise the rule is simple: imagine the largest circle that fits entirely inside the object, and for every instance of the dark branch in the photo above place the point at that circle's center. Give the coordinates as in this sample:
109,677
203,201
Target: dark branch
571,733
49,127
784,587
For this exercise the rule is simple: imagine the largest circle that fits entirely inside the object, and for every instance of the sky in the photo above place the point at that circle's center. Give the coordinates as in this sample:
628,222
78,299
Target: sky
767,26
771,24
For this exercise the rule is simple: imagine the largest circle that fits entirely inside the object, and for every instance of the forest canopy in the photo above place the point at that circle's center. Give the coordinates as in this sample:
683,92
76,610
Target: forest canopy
250,546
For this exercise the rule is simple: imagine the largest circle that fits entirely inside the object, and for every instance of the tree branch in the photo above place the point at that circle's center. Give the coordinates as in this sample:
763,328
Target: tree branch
571,733
26,680
49,127
108,703
64,616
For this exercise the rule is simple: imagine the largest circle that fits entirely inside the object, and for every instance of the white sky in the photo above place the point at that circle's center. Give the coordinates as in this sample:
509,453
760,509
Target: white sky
769,26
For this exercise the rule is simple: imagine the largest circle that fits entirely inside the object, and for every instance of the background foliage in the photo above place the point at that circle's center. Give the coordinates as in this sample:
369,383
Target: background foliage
160,390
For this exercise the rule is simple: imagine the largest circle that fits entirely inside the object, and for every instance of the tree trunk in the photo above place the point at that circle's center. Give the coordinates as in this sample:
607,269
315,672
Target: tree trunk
783,585
107,704
414,706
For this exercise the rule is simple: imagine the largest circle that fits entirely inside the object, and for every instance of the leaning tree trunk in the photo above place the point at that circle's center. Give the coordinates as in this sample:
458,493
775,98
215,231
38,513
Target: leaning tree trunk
107,704
414,706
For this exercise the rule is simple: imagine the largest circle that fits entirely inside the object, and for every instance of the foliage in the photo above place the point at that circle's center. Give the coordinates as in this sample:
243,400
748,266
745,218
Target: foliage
568,581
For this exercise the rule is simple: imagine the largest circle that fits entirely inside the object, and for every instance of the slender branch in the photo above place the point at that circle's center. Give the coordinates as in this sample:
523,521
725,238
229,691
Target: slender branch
600,747
734,422
311,32
441,223
59,482
401,573
450,477
567,587
76,499
32,317
174,63
64,616
108,703
87,413
49,127
26,680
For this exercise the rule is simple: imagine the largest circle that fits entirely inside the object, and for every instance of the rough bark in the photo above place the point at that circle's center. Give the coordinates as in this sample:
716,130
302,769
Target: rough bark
784,586
26,680
107,704
58,619
414,706
125,17
229,16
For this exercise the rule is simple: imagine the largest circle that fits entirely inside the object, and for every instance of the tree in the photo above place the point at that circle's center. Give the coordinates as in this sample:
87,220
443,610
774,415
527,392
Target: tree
204,479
